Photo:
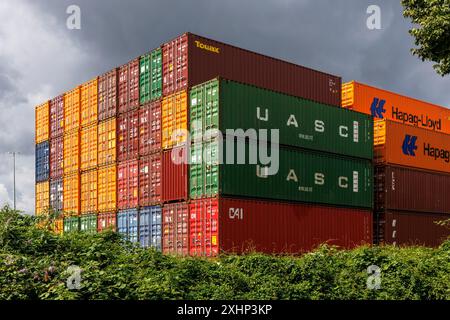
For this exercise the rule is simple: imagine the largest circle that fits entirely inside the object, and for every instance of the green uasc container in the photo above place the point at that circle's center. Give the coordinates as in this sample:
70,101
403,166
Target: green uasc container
88,223
150,76
71,224
302,175
223,104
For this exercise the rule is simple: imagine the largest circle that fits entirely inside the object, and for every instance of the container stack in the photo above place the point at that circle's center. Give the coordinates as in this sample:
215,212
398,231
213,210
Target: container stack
412,172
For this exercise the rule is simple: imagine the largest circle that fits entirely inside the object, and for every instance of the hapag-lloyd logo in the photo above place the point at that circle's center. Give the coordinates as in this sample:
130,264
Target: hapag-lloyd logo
409,148
377,110
409,145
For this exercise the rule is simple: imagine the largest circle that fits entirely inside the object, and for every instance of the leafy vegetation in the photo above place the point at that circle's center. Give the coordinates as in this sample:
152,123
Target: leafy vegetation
34,264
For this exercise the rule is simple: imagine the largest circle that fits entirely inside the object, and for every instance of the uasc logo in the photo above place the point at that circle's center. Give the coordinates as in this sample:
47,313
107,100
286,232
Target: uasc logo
409,145
207,47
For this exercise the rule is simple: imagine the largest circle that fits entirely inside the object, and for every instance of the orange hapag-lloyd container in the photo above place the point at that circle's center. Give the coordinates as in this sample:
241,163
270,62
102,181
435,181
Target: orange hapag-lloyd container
71,194
42,197
89,193
107,142
71,152
387,105
404,145
88,147
107,188
89,102
174,118
42,122
72,109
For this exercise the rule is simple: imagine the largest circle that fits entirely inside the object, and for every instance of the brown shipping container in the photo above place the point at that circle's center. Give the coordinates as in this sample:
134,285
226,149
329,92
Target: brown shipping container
150,180
107,95
175,226
56,157
106,220
190,60
401,188
410,228
128,87
128,136
57,116
150,128
128,184
175,177
238,225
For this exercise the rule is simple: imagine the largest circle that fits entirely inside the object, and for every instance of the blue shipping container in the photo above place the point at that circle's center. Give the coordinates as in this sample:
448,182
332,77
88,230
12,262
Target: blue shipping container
150,227
56,194
42,161
127,224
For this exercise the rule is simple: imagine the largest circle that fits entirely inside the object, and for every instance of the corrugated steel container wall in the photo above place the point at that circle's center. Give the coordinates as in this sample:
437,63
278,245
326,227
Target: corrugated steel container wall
150,128
89,191
176,229
106,220
57,116
410,228
227,105
107,191
236,225
58,226
150,78
302,175
402,188
56,157
150,180
107,95
404,145
88,223
150,227
107,142
175,175
128,136
383,104
128,87
42,122
174,120
89,103
88,147
72,114
71,224
42,197
71,194
190,60
71,152
42,161
127,224
56,194
128,184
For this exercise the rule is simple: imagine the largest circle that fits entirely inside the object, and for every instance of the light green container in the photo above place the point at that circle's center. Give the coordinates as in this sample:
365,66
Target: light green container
150,76
88,223
71,224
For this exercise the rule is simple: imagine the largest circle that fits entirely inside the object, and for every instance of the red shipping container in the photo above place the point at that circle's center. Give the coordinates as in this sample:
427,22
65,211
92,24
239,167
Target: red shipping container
107,95
128,184
128,136
176,228
410,228
239,225
106,220
175,175
150,128
129,86
57,116
190,60
56,157
407,189
150,180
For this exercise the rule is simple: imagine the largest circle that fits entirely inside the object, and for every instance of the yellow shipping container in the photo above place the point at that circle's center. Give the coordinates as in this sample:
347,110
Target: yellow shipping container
71,194
42,197
88,147
57,226
42,122
107,142
89,192
71,152
174,118
89,102
107,188
72,109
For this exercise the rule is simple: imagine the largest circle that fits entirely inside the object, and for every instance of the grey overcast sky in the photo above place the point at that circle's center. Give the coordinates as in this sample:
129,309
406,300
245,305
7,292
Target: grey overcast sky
40,58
